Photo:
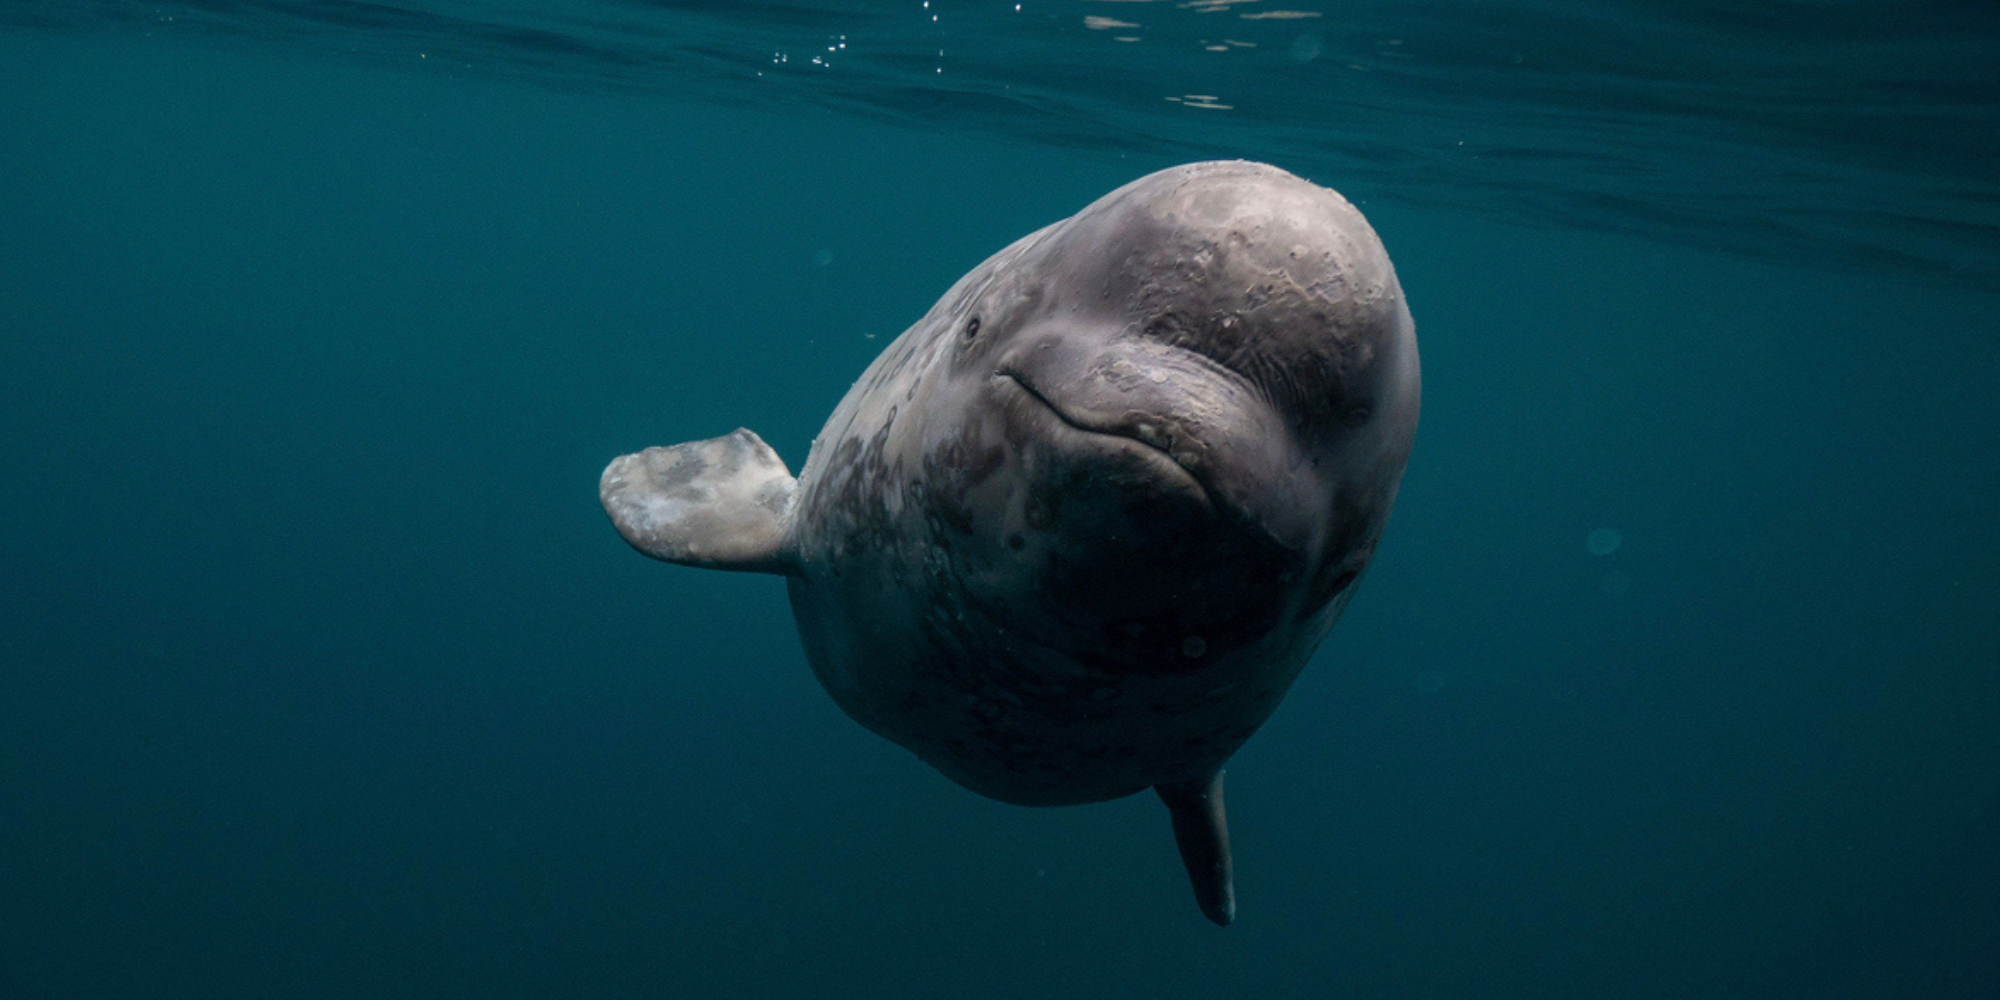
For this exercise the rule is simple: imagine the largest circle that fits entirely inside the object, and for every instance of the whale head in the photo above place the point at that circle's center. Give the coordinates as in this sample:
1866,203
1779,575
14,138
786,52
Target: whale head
1207,383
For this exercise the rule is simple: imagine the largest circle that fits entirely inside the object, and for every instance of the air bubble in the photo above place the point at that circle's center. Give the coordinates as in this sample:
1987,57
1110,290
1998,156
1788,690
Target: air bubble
1604,541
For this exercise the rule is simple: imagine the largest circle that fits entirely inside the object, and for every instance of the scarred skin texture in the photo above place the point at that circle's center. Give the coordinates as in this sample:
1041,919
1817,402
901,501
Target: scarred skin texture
1076,531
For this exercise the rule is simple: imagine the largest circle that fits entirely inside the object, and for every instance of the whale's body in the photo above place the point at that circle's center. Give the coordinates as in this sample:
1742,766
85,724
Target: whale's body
1073,534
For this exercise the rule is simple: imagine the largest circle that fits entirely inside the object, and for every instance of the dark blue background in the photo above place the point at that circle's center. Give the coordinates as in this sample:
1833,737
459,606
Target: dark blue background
321,673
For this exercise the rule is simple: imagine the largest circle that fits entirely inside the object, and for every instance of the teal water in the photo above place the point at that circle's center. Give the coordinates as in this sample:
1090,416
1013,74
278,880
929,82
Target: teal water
321,673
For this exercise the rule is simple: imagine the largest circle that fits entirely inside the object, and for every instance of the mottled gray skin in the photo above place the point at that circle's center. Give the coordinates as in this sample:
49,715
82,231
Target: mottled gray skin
1073,534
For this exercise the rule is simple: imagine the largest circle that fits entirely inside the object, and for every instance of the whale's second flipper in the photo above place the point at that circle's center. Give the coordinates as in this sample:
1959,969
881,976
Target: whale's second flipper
1202,831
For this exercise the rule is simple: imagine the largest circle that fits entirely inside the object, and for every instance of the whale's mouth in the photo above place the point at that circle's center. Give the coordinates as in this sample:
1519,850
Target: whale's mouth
1150,442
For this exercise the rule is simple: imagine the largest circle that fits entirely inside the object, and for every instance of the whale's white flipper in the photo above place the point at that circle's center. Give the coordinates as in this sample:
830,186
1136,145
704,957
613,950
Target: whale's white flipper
723,503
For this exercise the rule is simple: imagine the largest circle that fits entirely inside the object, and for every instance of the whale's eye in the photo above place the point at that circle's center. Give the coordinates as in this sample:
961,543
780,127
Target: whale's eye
1358,414
971,329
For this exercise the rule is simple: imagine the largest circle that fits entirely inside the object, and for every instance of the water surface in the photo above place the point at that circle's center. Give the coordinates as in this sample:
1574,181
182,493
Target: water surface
1860,131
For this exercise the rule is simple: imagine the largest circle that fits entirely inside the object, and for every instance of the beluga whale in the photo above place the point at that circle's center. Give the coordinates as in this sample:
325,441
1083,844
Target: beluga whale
1073,534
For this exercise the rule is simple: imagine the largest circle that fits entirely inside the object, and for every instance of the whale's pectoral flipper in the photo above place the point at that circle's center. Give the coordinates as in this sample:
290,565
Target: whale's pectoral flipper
723,503
1202,831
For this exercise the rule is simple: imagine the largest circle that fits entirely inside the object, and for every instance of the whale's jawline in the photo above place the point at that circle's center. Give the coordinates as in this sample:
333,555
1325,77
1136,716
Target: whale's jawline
1192,477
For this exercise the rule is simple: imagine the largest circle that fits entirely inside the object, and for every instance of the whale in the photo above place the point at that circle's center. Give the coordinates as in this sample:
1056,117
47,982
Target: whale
1074,533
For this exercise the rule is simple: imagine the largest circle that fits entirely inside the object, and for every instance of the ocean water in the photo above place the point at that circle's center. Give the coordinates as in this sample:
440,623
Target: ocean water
322,674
